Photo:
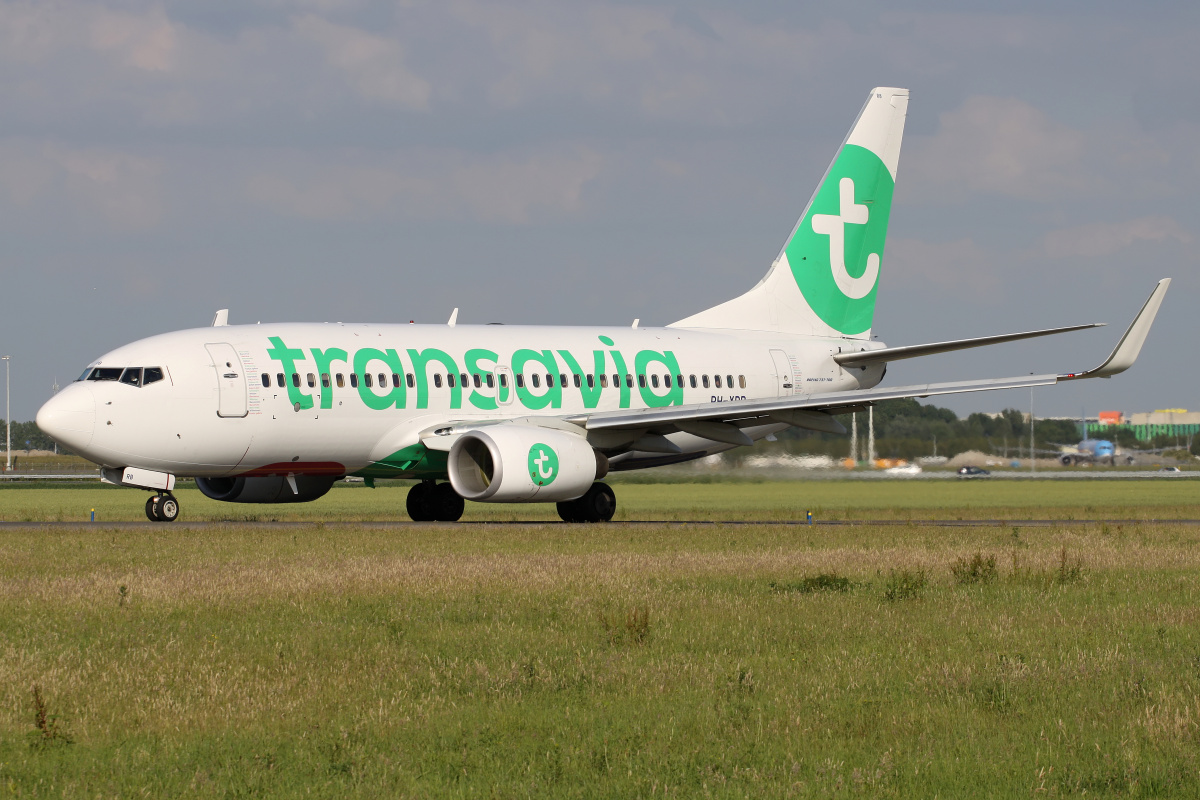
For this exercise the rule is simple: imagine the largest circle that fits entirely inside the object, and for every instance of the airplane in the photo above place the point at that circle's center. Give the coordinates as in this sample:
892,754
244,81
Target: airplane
1090,451
276,413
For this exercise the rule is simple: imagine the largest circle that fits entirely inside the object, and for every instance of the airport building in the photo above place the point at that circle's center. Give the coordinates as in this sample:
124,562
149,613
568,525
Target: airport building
1148,424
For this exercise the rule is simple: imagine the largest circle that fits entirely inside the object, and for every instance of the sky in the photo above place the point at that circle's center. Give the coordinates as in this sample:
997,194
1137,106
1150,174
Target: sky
593,163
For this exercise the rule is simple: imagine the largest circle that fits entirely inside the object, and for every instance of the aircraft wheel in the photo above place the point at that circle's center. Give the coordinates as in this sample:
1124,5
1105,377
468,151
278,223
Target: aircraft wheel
419,503
598,504
568,510
447,504
152,509
167,508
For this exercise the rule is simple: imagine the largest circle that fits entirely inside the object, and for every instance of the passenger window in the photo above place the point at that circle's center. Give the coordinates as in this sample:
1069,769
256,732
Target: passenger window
354,380
667,381
741,381
536,380
296,379
367,380
717,381
503,381
279,381
132,376
266,380
437,380
591,379
341,381
704,380
312,381
106,374
549,381
629,379
475,379
616,381
679,381
654,381
491,380
729,381
603,381
562,380
155,374
578,382
642,381
463,376
325,380
692,381
450,379
411,380
382,380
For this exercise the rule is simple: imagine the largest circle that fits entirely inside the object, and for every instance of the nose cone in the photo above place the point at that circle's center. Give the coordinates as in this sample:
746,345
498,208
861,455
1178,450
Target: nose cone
70,416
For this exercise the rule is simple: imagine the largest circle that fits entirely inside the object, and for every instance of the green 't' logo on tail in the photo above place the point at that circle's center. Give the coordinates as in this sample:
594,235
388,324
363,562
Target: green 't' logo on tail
543,464
837,250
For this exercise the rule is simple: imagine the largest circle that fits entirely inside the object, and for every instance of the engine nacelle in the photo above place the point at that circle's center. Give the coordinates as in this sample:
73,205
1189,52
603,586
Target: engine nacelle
523,463
271,489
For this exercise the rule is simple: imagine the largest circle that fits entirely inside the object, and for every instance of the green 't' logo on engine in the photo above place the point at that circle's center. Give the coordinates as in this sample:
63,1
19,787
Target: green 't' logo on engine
543,464
836,252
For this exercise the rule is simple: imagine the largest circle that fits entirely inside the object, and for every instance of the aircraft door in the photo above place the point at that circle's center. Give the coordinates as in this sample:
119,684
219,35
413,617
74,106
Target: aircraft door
232,392
505,389
784,378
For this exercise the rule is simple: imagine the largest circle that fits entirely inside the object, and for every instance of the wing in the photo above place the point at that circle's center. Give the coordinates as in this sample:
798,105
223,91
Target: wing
723,422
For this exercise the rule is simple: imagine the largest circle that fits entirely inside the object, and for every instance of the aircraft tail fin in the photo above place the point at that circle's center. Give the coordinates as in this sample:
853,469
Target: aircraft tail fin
824,280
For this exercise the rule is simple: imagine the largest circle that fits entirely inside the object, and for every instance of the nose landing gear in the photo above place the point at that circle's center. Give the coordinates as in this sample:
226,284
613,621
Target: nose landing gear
162,508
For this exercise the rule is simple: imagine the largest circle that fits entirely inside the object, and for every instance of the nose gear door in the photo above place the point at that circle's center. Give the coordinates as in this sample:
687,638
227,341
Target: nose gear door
232,392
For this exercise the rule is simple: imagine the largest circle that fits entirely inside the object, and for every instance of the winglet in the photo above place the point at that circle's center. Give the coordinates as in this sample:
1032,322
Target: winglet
221,318
453,318
1127,350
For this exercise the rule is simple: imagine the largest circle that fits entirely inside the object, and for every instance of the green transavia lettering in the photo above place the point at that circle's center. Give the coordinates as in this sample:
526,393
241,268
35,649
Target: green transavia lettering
411,389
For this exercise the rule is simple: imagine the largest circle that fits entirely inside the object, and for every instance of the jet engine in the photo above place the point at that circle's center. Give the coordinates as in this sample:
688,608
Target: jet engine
523,463
271,489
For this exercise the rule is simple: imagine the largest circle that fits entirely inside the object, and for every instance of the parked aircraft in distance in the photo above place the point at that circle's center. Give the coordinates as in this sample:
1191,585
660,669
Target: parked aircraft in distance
276,413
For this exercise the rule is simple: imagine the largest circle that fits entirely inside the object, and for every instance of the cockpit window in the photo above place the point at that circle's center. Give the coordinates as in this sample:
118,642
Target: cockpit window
106,374
84,376
151,375
132,376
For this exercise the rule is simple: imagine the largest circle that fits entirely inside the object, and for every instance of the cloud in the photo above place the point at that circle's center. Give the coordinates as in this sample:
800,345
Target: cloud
428,185
958,267
1001,146
372,65
109,187
1099,239
146,42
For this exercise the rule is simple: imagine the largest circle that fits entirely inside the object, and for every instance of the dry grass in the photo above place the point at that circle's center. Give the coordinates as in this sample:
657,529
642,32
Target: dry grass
555,660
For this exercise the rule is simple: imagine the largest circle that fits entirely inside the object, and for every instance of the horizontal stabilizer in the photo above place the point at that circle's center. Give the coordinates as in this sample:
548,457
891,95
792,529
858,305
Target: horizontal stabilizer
886,354
1127,350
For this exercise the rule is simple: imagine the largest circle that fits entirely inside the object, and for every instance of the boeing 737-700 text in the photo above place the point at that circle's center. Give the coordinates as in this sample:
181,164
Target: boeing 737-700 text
525,414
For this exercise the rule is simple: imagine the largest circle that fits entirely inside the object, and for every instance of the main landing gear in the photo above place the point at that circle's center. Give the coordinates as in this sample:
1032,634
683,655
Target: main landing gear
434,502
598,504
162,508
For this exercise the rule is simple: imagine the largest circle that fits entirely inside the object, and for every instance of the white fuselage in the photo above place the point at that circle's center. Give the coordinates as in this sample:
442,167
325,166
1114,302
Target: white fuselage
219,409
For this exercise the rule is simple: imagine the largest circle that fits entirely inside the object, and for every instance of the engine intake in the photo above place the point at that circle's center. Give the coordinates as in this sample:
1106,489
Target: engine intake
272,489
522,463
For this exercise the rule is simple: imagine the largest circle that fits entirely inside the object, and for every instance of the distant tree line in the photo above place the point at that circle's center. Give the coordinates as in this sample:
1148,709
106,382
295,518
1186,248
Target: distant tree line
28,436
907,429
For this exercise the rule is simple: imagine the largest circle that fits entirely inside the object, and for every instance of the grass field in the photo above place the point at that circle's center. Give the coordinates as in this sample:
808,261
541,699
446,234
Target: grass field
1171,498
649,660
